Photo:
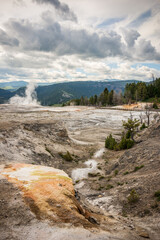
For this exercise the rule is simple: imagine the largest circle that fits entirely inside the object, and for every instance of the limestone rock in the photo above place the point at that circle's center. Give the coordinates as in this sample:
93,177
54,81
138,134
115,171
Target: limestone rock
49,193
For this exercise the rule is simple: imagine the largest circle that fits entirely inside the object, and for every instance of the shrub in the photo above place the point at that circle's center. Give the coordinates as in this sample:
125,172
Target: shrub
125,143
125,173
133,196
154,205
128,134
101,177
155,106
137,168
116,147
120,184
115,172
109,178
157,195
130,143
109,187
110,142
143,126
66,156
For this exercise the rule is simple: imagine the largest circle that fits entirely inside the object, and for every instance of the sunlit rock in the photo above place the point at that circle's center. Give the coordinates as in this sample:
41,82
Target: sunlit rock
49,193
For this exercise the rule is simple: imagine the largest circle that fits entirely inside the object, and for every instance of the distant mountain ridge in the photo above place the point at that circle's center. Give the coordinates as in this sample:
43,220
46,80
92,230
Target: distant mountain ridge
14,85
62,92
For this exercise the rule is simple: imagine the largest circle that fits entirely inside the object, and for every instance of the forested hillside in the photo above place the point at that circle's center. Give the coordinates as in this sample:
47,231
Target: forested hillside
63,92
5,95
142,91
136,91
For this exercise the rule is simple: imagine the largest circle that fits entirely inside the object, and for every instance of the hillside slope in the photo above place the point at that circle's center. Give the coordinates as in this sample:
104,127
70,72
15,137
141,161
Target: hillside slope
5,95
62,92
134,170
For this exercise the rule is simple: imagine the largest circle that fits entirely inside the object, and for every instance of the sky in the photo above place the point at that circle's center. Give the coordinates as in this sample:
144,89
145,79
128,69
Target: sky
79,40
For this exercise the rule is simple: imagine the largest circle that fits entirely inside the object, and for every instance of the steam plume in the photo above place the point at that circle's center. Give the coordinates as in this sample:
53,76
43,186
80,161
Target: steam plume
30,97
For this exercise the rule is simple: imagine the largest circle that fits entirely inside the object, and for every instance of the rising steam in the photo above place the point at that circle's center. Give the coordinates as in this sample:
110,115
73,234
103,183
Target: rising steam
30,97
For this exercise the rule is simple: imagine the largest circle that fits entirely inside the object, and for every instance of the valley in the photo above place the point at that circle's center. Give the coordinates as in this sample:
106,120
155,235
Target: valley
72,139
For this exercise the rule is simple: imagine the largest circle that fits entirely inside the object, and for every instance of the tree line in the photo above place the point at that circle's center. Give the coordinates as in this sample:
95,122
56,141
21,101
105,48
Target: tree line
142,91
105,98
133,92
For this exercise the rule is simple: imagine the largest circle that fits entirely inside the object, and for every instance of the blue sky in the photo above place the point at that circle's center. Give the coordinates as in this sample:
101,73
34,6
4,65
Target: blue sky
68,40
149,65
141,19
109,21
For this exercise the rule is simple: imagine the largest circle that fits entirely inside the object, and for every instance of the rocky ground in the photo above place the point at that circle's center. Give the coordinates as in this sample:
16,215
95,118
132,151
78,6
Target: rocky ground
65,139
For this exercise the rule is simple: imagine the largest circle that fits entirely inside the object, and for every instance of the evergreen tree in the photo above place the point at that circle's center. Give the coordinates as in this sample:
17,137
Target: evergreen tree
131,126
95,99
110,98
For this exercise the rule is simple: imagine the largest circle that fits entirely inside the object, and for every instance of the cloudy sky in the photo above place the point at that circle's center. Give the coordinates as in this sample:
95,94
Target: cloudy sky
79,40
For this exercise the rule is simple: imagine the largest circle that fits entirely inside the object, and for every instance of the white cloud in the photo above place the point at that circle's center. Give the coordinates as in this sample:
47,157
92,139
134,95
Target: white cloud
43,43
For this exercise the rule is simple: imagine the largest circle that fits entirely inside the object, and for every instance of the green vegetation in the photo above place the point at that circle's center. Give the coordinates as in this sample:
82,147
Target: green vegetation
125,173
125,143
57,105
137,168
90,93
131,126
157,195
110,142
142,91
109,186
133,92
133,197
5,95
106,98
66,156
143,126
109,178
155,106
154,205
116,172
119,184
101,177
127,140
99,167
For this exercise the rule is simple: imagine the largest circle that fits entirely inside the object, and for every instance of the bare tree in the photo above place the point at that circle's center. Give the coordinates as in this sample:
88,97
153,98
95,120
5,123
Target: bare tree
115,98
136,95
141,117
120,98
131,116
86,101
148,113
